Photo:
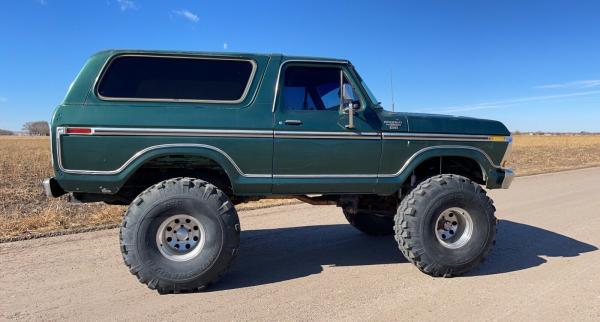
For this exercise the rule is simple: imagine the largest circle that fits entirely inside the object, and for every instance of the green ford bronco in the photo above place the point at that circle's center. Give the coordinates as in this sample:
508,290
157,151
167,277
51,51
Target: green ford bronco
182,137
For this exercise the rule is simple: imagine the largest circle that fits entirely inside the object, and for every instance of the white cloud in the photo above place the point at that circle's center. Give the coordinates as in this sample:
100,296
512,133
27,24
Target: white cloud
187,15
511,102
590,83
225,45
127,5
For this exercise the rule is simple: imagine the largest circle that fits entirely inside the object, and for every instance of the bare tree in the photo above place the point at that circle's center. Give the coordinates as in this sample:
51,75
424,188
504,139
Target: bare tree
37,128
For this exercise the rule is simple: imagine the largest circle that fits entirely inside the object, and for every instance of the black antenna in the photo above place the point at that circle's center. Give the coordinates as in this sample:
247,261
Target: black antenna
392,89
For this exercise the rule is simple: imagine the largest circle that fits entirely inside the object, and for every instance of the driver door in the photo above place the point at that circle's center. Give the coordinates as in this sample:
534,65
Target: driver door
314,149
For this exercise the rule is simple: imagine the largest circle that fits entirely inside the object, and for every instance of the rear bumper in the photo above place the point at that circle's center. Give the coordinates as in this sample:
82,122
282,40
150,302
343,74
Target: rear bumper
52,188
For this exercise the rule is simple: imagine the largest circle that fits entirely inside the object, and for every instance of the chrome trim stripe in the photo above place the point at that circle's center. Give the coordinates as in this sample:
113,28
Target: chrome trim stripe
322,176
416,154
287,134
231,133
338,62
434,137
107,64
327,135
182,132
61,131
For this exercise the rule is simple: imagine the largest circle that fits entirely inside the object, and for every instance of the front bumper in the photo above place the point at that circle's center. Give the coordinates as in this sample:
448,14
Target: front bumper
509,176
500,178
52,188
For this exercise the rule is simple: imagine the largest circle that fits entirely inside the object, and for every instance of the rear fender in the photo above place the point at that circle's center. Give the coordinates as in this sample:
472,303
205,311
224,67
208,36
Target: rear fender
109,182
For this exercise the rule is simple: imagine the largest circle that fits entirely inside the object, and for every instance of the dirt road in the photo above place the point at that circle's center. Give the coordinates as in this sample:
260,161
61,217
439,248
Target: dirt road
304,262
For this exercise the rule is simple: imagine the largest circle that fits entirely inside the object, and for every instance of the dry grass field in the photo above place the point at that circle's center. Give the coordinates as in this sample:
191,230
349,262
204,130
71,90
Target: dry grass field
533,154
25,161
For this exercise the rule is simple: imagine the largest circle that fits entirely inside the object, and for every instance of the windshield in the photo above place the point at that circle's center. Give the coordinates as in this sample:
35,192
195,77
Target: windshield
364,85
371,96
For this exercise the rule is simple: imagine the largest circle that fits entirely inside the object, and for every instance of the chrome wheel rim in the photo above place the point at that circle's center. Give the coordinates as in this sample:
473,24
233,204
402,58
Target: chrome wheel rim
180,238
454,227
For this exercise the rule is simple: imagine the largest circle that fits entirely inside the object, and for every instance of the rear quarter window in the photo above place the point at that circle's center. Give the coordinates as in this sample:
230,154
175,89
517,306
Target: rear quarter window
176,78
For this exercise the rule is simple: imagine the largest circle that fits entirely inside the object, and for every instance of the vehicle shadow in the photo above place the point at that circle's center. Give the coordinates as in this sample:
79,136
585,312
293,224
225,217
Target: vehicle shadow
274,255
520,246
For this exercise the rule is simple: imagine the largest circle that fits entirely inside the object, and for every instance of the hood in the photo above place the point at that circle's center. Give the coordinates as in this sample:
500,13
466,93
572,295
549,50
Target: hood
435,123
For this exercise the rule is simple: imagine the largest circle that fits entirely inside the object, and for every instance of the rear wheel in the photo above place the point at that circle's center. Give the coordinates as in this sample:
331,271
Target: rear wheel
446,225
370,223
180,235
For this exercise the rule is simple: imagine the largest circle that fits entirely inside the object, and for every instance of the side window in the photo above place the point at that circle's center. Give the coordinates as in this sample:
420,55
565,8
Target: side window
313,88
176,78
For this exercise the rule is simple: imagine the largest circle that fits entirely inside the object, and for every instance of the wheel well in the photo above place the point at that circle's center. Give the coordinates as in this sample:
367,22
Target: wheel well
171,166
462,166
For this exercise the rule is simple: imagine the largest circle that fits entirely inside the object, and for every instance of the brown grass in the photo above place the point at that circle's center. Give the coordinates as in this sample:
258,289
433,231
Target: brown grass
25,161
533,154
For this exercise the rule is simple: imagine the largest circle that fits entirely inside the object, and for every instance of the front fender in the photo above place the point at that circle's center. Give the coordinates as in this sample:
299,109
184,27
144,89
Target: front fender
391,182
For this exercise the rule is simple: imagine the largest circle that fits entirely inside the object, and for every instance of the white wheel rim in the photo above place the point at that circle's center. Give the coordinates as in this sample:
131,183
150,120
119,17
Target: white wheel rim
180,238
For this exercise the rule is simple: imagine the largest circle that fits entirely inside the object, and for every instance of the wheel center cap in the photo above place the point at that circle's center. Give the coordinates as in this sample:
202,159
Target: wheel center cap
182,233
447,225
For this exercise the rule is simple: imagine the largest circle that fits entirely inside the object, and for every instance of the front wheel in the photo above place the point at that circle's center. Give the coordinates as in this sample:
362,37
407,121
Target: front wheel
180,235
446,225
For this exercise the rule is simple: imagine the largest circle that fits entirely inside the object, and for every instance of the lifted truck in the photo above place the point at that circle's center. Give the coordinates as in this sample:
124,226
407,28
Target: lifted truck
181,137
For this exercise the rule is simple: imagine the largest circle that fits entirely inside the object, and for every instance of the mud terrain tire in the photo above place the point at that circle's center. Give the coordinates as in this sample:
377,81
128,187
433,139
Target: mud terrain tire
422,218
155,211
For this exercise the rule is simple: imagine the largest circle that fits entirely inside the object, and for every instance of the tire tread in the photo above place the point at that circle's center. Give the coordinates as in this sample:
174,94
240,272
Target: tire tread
156,193
407,222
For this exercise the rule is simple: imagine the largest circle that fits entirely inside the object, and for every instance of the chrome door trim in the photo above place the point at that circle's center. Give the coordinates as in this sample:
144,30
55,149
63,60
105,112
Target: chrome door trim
327,135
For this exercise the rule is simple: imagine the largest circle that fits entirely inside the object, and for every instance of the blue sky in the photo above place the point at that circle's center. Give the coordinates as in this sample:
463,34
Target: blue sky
535,65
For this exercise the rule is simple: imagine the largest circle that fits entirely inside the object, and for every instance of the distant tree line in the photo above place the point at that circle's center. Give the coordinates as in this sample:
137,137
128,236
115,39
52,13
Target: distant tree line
40,128
6,132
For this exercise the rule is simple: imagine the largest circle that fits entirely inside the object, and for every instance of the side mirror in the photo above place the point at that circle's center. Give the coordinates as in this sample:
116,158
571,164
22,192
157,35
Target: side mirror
347,102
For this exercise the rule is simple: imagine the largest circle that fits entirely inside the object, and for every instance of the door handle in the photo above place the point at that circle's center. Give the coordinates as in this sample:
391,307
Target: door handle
293,122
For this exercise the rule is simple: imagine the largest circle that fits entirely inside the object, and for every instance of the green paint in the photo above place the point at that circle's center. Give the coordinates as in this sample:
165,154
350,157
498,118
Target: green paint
369,160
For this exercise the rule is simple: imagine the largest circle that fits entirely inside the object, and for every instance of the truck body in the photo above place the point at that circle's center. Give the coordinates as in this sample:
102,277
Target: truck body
108,146
182,137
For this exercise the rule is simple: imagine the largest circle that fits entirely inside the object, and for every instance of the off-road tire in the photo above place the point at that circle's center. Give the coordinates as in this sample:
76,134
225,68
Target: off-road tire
198,199
416,222
370,223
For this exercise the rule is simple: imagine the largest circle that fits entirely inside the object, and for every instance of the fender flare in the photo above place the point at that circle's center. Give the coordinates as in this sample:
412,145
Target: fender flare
119,176
486,163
